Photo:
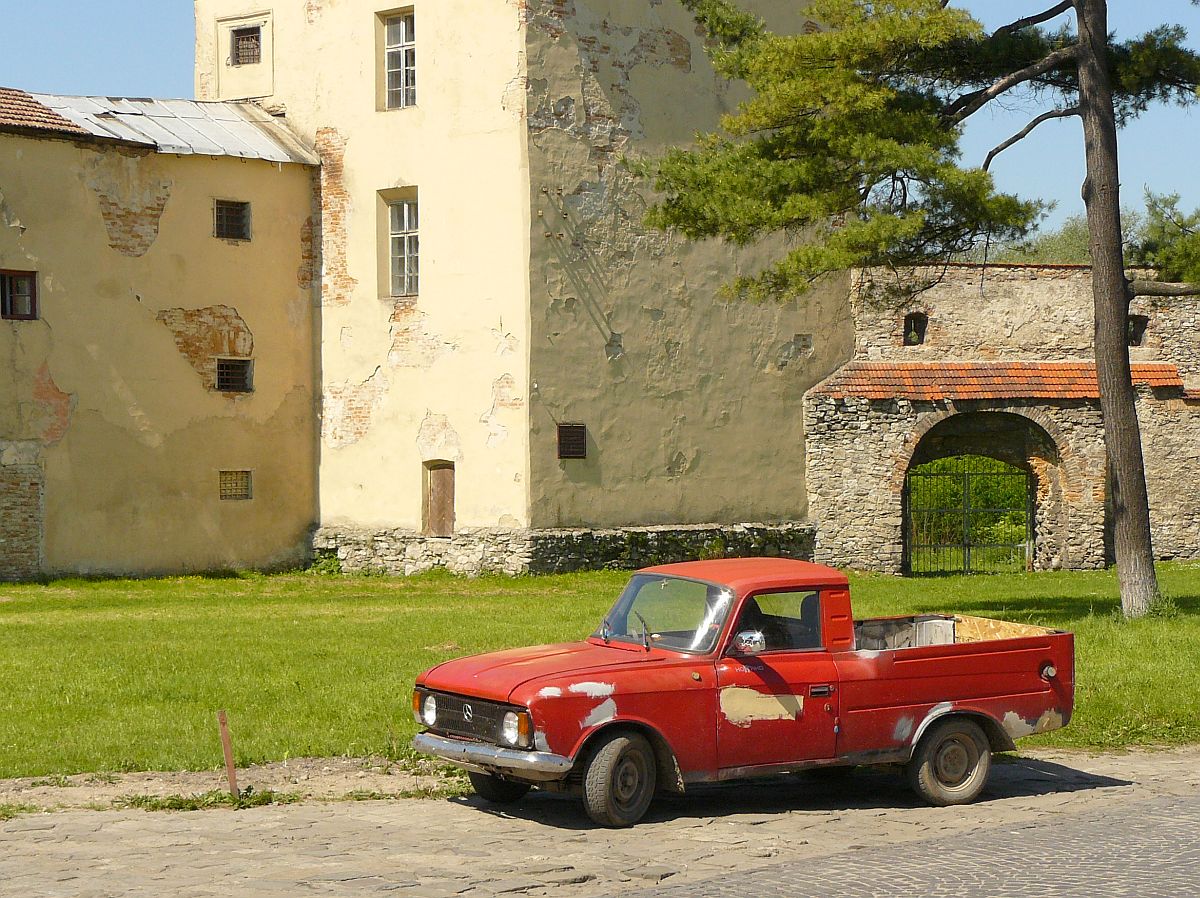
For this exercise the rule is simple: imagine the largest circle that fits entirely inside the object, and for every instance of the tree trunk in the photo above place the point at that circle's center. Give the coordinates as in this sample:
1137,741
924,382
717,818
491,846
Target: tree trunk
1122,435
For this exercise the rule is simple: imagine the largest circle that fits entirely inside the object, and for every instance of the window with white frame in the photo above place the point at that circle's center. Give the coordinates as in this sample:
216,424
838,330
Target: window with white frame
405,248
400,60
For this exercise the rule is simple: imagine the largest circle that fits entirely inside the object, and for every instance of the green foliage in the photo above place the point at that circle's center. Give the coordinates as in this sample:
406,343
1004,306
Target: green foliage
9,811
849,144
1169,240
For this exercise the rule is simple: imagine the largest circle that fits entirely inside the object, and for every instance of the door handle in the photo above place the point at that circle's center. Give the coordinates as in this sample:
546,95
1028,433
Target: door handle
820,691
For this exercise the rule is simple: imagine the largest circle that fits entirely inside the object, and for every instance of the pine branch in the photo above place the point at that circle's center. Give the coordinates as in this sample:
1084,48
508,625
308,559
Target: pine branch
1158,288
1027,130
1035,19
968,104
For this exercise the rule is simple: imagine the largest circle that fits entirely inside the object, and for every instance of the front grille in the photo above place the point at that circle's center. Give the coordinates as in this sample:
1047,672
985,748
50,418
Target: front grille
469,717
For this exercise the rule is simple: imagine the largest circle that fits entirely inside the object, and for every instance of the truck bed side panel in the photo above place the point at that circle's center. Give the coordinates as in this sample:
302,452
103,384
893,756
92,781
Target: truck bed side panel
886,696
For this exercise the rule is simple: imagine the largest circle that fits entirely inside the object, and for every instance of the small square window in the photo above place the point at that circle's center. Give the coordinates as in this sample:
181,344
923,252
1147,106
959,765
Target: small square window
572,441
231,220
236,486
235,375
915,326
246,46
18,295
1136,329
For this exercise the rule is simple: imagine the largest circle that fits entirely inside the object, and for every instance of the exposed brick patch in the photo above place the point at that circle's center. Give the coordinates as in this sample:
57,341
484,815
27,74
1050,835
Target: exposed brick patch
132,220
338,285
51,408
437,440
306,274
22,519
412,345
203,335
349,408
505,397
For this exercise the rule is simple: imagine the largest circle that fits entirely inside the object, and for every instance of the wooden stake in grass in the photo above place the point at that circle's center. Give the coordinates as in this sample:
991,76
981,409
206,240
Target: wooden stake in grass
227,747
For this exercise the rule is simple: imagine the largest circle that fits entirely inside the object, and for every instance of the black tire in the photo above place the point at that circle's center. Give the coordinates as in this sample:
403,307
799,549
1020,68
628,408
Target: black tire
497,791
619,781
951,763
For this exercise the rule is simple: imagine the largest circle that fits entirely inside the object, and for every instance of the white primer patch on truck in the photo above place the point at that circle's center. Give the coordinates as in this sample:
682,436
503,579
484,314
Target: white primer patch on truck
592,690
550,692
602,713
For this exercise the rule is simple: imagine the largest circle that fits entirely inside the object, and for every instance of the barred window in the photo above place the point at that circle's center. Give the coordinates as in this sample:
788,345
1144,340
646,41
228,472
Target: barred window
405,248
231,220
236,486
235,375
18,295
400,60
572,441
247,46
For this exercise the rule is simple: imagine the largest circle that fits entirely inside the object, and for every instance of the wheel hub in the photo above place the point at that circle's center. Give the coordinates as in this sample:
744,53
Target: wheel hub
953,763
628,781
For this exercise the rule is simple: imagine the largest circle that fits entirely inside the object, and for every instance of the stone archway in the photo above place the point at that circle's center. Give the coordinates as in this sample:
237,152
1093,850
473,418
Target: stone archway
1017,441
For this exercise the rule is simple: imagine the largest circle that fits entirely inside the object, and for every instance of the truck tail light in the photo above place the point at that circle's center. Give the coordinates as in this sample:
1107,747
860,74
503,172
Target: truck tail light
1049,672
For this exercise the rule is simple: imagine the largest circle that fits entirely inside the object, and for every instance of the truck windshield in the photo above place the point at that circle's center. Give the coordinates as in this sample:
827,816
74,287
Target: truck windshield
670,612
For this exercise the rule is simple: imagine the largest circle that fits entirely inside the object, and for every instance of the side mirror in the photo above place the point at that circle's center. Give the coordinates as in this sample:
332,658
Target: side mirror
749,642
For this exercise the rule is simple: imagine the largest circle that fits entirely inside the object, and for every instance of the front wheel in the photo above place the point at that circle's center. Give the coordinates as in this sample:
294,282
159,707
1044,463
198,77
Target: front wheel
497,791
619,781
951,764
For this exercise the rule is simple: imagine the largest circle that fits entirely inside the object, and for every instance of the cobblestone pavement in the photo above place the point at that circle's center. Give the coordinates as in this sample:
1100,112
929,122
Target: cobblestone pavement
1126,820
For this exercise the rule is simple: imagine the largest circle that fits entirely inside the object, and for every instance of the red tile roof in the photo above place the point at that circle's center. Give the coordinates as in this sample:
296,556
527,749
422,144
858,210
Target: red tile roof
19,110
982,380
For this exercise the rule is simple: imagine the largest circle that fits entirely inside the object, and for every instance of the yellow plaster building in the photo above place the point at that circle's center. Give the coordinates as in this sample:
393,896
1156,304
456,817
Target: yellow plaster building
467,350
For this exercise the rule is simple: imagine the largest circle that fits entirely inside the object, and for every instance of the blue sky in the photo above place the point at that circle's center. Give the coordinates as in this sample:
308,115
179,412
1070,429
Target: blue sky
144,48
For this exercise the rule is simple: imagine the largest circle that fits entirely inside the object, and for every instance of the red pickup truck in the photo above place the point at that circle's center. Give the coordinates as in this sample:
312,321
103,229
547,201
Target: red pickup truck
721,670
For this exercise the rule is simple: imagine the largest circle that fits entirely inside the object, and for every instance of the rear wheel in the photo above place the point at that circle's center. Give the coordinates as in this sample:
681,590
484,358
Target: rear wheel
951,763
619,781
497,791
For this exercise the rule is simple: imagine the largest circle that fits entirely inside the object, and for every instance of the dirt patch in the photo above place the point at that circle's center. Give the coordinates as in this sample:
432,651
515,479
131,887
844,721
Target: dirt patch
317,779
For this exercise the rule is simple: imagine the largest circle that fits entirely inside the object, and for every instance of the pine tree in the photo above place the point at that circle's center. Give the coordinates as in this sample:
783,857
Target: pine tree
850,146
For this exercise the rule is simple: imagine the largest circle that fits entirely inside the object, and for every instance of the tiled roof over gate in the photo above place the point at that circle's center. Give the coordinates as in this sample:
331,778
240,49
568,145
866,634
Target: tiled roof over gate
20,110
983,380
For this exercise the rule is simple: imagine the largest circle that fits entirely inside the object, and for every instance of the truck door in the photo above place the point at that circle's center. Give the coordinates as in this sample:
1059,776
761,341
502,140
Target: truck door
781,705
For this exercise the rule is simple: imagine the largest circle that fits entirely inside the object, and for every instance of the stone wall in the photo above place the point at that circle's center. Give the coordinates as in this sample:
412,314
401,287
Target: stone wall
521,551
21,516
1033,312
1171,437
859,452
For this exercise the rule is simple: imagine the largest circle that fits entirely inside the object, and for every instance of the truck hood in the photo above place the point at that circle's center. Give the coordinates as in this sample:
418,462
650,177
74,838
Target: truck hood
495,675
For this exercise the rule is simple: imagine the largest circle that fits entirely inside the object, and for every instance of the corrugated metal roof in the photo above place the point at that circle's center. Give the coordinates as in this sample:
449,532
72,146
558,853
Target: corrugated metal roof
184,127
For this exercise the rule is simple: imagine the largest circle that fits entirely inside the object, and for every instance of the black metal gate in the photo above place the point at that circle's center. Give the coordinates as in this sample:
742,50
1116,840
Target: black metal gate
968,514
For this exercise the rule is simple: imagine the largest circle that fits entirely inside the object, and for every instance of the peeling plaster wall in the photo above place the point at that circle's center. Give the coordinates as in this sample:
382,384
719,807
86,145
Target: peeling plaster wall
111,437
457,353
693,406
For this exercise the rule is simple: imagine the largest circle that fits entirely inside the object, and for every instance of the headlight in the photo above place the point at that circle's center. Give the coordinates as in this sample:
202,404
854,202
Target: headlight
429,711
510,729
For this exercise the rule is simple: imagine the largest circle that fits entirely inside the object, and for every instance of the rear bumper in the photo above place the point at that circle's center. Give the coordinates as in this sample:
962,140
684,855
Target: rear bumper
534,766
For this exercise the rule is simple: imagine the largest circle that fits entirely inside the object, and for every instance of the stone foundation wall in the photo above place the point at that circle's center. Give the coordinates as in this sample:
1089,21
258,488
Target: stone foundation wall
516,551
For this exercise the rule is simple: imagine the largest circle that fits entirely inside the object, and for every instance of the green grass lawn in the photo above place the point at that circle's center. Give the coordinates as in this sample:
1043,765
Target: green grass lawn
124,675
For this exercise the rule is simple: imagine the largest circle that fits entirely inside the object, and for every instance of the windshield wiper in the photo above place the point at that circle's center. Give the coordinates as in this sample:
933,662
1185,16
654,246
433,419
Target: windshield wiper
645,631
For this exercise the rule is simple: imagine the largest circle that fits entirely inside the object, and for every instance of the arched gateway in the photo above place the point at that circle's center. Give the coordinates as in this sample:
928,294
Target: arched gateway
983,493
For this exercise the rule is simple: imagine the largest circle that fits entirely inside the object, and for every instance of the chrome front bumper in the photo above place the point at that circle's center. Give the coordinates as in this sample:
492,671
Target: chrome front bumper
535,766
